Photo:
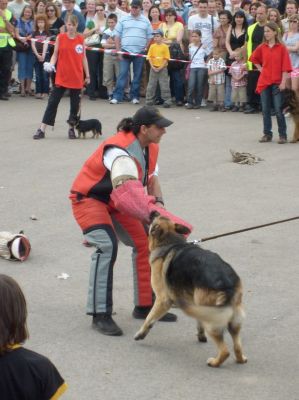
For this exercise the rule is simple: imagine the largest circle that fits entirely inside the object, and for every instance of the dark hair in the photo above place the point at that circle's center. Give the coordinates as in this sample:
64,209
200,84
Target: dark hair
223,3
52,5
203,2
256,5
197,32
170,11
25,8
149,12
13,314
244,3
227,13
112,16
240,13
127,125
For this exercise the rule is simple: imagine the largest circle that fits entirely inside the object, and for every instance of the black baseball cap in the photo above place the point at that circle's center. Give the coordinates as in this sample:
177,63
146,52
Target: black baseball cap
149,115
136,3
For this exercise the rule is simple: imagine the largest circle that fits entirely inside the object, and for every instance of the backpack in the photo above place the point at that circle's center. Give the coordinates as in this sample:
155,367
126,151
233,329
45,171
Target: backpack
177,53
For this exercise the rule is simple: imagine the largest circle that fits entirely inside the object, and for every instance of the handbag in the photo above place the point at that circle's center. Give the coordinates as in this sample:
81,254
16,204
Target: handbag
93,40
188,68
21,47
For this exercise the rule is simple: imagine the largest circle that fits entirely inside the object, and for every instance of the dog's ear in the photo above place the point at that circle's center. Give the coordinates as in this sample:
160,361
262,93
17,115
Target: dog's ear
153,215
183,230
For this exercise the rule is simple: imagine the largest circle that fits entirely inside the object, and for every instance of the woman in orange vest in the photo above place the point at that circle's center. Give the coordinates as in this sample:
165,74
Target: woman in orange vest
128,160
69,54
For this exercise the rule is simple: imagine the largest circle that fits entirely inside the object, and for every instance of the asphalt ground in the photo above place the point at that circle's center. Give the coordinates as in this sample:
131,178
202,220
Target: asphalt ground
201,184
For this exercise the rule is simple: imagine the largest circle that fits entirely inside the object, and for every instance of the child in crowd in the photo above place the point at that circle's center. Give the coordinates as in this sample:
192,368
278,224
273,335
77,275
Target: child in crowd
158,56
238,73
111,61
216,68
24,374
198,71
40,50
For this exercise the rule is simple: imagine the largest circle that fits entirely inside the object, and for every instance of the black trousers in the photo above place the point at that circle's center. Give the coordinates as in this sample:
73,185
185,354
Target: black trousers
5,68
253,98
54,100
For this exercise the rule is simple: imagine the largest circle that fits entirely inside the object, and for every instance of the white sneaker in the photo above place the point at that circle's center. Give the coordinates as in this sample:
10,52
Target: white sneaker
135,101
203,103
113,101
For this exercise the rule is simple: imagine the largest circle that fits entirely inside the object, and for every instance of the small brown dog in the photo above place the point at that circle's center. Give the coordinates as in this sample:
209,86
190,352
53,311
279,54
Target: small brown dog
203,285
290,104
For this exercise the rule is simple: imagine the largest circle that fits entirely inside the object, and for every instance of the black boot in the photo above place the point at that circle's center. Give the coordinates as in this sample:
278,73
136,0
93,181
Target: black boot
72,134
142,312
104,323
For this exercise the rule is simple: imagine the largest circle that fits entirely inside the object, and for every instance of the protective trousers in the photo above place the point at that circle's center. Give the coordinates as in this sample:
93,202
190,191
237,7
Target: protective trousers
102,226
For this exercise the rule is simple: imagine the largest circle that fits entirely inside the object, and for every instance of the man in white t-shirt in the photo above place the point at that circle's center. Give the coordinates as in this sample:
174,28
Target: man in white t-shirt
205,23
16,7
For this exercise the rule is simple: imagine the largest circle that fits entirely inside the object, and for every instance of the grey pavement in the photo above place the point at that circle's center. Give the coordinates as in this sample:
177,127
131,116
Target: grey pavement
201,184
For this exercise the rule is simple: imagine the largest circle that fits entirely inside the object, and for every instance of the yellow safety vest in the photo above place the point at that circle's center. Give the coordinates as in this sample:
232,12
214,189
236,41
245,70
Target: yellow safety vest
249,45
5,37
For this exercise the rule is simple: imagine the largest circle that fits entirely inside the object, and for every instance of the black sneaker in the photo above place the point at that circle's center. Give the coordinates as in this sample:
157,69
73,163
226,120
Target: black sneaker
104,323
142,312
39,135
72,134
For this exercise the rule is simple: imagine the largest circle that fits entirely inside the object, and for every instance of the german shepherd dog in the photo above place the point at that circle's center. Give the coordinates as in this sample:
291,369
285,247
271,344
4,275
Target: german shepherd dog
290,104
203,285
93,125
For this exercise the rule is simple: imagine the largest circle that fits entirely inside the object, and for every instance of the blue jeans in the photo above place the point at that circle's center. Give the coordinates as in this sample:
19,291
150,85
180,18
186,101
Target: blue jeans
25,65
176,84
196,85
228,91
272,96
124,67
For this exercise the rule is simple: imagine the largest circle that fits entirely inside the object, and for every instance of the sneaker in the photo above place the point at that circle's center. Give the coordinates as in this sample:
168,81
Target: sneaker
39,135
197,106
235,109
203,103
142,312
104,323
282,140
189,106
135,101
113,101
265,138
72,134
166,105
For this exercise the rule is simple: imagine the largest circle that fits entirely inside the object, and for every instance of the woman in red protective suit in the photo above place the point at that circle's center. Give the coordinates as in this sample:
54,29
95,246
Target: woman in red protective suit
134,145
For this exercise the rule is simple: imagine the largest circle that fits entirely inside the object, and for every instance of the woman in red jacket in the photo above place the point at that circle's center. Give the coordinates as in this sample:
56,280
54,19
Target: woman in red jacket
69,54
273,61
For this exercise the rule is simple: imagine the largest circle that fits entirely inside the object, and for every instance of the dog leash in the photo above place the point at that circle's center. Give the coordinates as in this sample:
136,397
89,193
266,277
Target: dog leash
205,239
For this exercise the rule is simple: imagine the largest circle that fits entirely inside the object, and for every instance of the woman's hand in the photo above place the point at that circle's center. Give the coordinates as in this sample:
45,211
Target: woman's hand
87,80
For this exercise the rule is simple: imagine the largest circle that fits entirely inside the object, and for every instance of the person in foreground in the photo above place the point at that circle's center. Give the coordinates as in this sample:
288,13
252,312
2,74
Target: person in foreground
273,61
69,54
24,374
110,202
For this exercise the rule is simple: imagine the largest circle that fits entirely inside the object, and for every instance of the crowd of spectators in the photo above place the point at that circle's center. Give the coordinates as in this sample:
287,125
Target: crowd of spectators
229,30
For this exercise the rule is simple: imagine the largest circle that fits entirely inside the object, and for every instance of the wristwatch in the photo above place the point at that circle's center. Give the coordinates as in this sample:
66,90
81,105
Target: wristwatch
159,200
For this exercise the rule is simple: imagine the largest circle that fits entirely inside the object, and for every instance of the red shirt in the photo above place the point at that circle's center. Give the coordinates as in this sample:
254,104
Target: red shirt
70,62
275,60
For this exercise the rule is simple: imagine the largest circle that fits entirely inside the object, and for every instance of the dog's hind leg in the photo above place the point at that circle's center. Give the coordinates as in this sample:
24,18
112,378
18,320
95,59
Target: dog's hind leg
234,330
158,310
201,333
223,353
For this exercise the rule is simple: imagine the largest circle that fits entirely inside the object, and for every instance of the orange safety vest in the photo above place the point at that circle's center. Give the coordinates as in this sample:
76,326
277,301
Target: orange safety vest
94,178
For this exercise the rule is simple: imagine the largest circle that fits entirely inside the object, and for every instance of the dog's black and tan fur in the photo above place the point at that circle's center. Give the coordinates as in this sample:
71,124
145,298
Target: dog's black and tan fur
203,285
87,125
290,103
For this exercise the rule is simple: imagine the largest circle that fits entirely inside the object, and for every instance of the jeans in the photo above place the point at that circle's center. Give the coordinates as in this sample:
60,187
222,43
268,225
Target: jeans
228,91
124,67
26,64
176,84
42,78
272,96
196,85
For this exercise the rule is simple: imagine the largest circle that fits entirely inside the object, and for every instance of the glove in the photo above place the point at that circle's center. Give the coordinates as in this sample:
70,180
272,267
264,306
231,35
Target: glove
48,67
131,199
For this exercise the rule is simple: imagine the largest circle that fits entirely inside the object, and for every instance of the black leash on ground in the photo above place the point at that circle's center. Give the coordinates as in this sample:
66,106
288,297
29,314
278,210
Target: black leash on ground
205,239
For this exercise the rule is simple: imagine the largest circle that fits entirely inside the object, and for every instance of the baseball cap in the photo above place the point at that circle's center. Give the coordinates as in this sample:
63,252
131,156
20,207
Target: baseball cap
136,3
157,32
148,115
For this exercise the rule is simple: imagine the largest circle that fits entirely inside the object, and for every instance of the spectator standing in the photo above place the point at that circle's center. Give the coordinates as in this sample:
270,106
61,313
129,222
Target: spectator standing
291,41
133,35
219,37
181,9
24,30
7,44
238,72
40,50
273,61
254,37
111,61
216,68
56,24
124,6
16,7
111,8
146,5
198,71
158,56
69,6
154,15
291,9
40,7
274,16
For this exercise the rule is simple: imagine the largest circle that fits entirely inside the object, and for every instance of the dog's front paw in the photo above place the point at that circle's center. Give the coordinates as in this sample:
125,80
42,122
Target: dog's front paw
202,337
140,335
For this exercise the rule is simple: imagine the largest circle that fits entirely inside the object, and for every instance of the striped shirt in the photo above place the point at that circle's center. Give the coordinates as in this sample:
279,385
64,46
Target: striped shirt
214,65
134,32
